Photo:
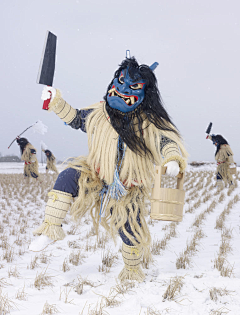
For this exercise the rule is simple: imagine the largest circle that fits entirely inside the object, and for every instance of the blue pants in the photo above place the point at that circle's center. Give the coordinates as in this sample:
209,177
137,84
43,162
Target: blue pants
67,181
127,226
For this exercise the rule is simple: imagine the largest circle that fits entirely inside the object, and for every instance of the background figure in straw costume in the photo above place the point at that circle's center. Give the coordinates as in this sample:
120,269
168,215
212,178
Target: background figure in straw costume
28,155
51,161
128,133
224,158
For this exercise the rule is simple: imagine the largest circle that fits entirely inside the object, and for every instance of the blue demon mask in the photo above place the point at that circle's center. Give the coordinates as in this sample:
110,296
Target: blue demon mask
126,92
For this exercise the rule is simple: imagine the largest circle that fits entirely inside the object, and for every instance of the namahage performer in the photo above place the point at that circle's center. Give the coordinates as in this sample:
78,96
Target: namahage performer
128,133
224,158
28,155
51,161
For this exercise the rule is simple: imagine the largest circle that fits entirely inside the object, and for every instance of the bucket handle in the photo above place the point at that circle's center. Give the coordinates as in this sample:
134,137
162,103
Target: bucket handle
161,170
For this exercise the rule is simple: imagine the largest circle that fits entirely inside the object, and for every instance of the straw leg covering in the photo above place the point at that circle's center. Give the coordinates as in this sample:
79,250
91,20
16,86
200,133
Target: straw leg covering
56,209
223,173
128,230
220,184
31,170
132,270
51,166
54,169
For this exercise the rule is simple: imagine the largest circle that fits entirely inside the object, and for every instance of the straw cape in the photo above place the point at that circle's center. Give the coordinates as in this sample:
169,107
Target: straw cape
224,158
31,162
51,162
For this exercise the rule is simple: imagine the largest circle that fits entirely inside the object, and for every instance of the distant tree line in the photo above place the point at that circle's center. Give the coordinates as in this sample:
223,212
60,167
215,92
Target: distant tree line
15,158
9,158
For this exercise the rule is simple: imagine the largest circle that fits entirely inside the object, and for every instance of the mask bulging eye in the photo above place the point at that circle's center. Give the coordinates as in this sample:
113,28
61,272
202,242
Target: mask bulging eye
136,86
121,79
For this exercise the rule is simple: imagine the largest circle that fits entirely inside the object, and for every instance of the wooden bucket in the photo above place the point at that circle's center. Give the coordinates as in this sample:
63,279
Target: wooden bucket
233,170
166,203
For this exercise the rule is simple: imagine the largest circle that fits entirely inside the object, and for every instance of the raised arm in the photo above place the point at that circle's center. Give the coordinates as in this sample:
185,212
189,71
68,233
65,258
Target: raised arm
72,117
79,122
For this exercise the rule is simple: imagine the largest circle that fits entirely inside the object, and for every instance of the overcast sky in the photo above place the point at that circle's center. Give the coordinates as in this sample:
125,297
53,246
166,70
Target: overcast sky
195,42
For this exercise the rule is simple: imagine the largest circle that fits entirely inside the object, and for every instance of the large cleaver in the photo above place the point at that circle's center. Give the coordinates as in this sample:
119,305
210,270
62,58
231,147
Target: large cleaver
209,128
47,64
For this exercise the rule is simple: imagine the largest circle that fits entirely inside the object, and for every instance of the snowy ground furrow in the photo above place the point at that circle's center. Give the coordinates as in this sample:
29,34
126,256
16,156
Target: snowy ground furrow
22,209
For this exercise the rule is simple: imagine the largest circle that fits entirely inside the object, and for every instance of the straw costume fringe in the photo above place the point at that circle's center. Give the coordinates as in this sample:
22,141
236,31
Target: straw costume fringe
30,158
132,270
30,169
225,154
224,171
56,209
136,169
225,158
220,184
88,199
102,158
137,175
117,214
51,164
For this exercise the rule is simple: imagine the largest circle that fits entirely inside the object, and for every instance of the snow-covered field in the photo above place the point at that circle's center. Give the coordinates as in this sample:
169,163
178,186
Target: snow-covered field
196,267
17,168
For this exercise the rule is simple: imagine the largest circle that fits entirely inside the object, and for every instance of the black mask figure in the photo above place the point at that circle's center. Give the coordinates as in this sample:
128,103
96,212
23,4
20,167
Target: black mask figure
48,153
219,140
22,142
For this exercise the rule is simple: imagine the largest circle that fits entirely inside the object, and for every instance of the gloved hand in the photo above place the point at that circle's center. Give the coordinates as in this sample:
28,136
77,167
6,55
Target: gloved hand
172,168
48,92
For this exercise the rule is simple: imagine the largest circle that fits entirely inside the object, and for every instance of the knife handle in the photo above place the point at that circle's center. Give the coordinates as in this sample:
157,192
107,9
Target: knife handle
46,102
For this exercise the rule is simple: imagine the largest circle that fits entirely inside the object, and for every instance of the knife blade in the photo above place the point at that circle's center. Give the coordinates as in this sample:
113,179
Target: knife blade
47,63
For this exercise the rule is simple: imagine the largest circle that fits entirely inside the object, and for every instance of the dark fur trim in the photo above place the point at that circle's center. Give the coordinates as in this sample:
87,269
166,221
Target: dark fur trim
220,140
22,142
49,153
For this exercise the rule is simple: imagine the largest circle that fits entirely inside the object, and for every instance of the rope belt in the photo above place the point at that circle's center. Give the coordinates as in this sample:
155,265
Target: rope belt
50,223
55,196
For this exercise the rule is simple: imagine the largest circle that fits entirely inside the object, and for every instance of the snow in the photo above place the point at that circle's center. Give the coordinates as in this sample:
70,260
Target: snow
22,210
40,243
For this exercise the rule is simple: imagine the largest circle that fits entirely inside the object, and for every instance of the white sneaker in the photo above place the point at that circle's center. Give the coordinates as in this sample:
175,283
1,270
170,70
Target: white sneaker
40,243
